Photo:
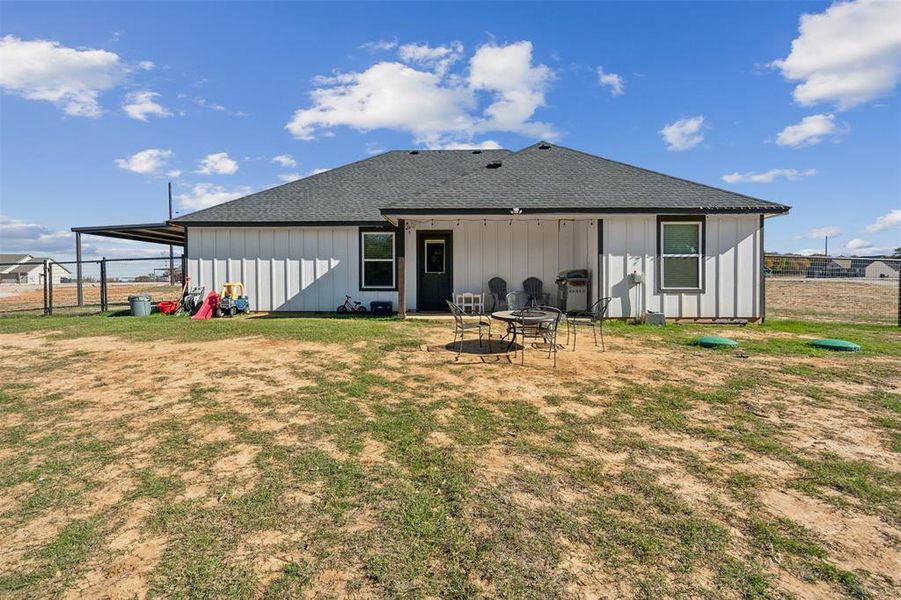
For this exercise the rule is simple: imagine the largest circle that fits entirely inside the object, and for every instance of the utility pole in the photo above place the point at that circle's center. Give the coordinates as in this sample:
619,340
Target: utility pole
826,253
171,250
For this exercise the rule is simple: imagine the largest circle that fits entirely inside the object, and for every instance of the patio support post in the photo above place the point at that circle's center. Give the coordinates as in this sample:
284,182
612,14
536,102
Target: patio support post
79,292
401,279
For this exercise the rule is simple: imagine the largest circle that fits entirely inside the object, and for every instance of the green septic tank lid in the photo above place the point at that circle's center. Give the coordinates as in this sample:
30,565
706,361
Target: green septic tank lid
840,345
715,341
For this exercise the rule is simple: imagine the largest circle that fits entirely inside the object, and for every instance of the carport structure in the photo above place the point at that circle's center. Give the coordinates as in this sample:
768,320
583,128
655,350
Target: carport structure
165,233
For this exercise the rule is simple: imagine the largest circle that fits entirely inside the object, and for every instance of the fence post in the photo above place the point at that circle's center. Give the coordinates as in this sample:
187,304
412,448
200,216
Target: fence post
184,268
899,297
50,287
79,290
103,299
46,297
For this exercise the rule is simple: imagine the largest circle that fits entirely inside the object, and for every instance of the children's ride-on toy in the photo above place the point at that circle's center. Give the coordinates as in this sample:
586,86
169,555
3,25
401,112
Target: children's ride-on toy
232,300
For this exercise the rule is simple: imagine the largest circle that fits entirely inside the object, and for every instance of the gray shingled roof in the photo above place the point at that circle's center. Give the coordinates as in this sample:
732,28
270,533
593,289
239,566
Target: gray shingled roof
354,192
549,178
541,178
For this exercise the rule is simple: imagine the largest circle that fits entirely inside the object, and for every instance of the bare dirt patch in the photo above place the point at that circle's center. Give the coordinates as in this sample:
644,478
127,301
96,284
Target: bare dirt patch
867,301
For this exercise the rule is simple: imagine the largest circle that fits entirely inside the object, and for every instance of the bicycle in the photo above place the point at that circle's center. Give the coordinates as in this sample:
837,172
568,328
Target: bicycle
355,307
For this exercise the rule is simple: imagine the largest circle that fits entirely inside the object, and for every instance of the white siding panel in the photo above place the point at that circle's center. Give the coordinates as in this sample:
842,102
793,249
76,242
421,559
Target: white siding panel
310,269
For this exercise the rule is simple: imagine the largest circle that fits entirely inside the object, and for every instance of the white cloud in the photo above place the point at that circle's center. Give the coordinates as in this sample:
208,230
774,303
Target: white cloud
436,108
18,236
820,233
518,86
847,55
374,148
205,195
70,78
146,65
317,171
289,177
145,162
174,173
615,82
204,103
437,58
485,145
858,244
768,176
139,105
890,220
808,251
810,130
380,45
285,160
683,134
217,164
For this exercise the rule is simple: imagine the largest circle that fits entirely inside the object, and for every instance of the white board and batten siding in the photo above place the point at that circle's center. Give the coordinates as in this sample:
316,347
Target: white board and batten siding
311,268
510,249
516,249
731,269
282,268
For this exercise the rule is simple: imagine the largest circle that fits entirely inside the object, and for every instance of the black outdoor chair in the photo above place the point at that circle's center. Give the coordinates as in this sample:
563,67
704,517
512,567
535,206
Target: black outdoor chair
545,331
535,289
593,317
517,300
498,289
461,326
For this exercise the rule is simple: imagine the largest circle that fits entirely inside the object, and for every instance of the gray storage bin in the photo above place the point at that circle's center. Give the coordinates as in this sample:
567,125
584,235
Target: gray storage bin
140,305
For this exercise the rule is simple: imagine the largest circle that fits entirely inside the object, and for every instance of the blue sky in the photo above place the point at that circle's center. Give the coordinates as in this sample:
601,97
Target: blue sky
104,103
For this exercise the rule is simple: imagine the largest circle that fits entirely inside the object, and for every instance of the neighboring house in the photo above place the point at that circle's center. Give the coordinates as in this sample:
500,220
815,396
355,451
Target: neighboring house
412,227
28,269
882,269
832,267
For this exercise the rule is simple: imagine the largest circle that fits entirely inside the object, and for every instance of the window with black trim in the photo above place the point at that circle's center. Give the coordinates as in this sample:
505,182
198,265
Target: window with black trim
681,255
377,260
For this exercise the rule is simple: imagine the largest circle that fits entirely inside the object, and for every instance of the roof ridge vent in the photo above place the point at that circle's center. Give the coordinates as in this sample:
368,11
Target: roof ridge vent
544,146
414,152
476,151
495,164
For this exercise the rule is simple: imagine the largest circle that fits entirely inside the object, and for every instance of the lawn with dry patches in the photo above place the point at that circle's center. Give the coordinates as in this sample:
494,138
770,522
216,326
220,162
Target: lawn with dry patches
260,457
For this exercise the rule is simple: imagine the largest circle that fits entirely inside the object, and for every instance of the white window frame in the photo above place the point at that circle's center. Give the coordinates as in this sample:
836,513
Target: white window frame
364,260
443,257
698,255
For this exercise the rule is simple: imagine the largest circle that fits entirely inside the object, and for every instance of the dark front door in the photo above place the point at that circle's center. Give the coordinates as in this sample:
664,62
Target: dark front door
433,260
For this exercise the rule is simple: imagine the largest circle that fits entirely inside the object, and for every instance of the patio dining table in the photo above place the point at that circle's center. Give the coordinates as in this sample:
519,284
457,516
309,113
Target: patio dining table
527,317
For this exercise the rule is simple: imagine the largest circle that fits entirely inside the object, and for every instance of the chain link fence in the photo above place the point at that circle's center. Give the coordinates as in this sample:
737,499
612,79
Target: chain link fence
806,288
51,287
827,288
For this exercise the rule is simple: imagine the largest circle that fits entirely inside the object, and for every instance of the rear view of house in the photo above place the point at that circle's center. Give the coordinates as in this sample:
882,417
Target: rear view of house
413,227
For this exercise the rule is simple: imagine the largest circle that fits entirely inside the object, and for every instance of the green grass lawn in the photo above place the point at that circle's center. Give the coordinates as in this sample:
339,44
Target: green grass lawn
281,457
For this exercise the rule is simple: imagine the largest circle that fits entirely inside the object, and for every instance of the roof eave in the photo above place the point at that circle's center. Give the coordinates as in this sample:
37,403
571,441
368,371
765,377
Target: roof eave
769,210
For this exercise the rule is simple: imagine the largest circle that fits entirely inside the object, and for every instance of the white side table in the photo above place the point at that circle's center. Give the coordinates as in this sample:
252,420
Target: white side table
470,303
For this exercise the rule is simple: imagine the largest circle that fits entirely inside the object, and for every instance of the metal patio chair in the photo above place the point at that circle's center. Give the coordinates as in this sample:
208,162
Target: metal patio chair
461,326
517,300
535,289
545,331
593,317
497,287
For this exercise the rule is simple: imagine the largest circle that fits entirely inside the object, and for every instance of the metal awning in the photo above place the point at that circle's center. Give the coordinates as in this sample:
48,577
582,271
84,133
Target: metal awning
154,233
